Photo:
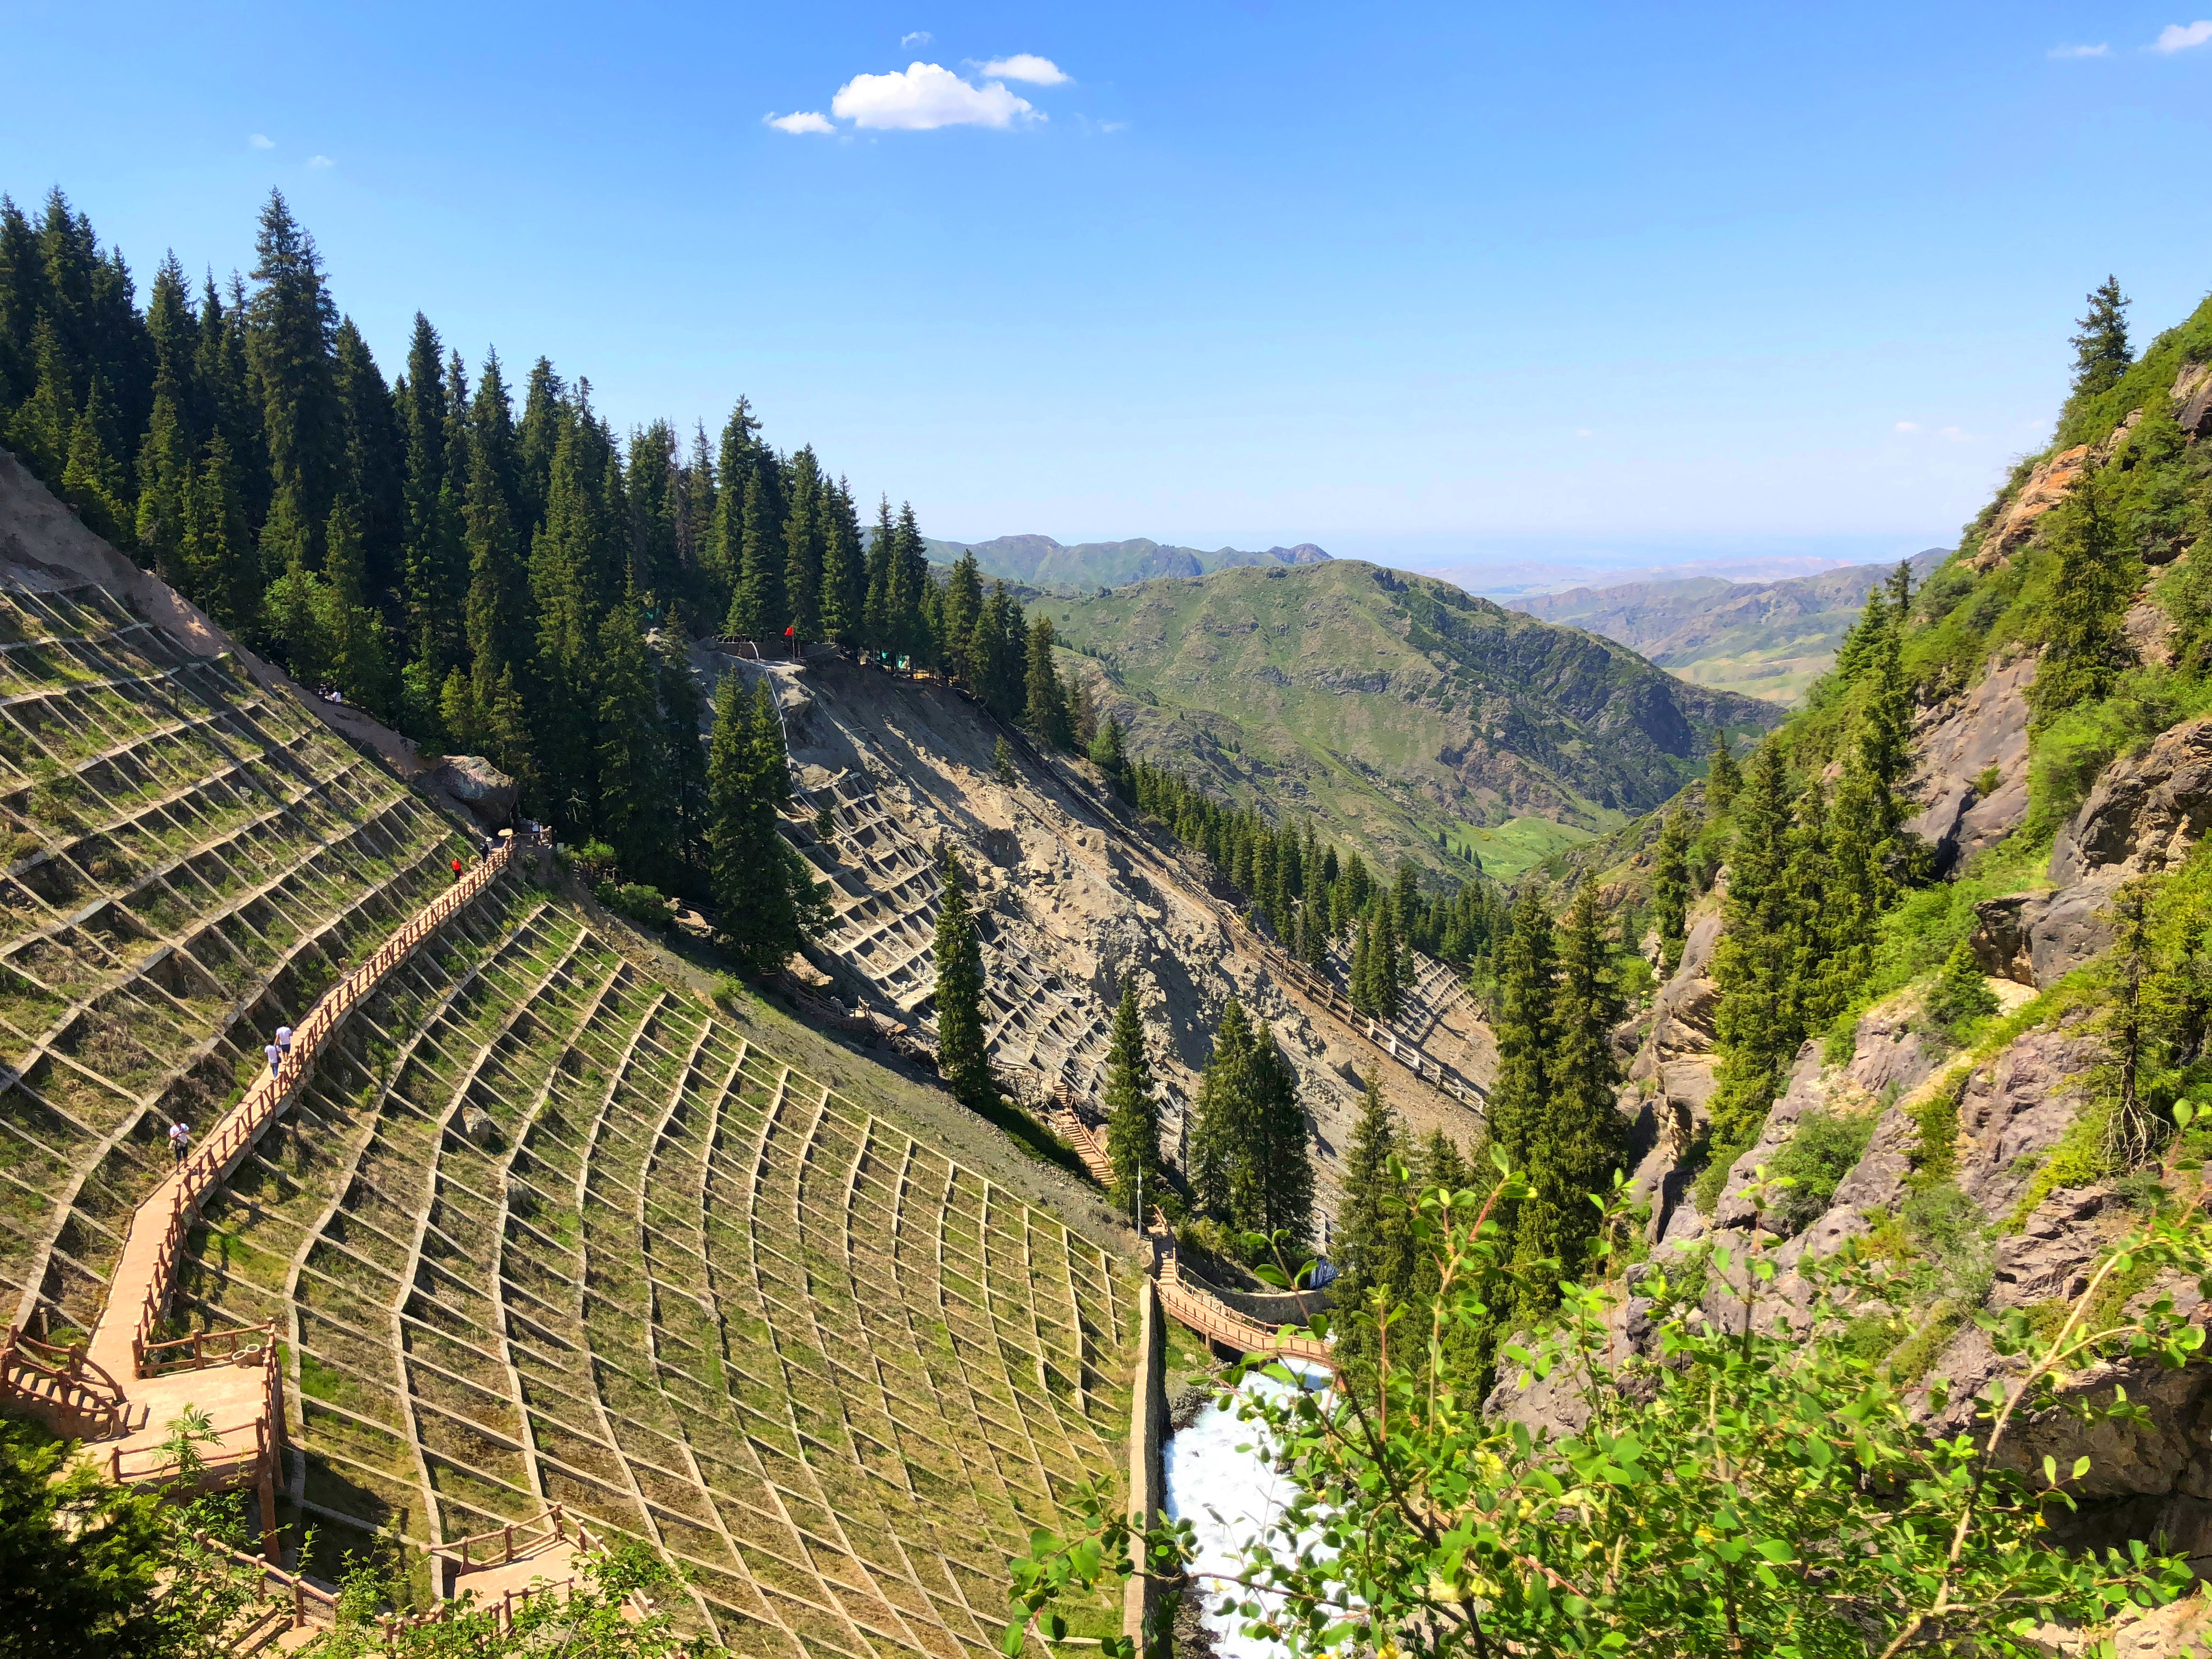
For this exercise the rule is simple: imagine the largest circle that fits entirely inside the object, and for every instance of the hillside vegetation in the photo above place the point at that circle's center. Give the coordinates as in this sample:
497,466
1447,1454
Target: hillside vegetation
1417,720
1041,561
1769,640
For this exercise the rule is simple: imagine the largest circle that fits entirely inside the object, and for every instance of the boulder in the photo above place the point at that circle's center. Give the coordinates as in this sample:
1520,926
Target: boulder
1957,743
476,1124
488,793
2065,929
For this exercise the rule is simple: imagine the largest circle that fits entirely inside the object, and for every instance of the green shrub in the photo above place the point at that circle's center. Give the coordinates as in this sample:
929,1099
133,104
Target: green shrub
645,906
1961,996
1824,1148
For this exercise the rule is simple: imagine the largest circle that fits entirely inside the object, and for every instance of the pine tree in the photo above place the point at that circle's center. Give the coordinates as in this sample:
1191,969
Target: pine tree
40,429
763,890
685,762
1251,1168
1002,764
2094,579
844,574
880,624
1045,705
802,541
756,607
92,480
1961,995
2101,352
637,806
1581,1139
962,1059
1133,1116
1753,1025
220,569
723,547
1109,755
1670,886
1525,1034
1372,1244
359,661
1723,776
910,587
290,344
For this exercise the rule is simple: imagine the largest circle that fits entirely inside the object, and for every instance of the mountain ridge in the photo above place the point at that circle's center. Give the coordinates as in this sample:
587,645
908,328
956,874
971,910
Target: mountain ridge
1397,708
1769,639
1041,561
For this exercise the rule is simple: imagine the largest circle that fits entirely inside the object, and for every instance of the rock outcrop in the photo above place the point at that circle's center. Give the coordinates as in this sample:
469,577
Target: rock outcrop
2044,488
2193,393
1957,744
2144,813
488,793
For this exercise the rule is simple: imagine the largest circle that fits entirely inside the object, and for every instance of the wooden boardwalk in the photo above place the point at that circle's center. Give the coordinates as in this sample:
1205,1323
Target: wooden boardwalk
127,1384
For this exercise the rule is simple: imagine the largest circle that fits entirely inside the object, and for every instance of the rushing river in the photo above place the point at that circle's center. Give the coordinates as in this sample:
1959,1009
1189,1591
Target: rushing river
1228,1496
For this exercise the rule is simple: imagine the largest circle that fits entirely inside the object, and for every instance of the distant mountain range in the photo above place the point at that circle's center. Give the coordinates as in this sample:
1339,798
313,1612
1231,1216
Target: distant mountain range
1769,639
1410,717
1041,561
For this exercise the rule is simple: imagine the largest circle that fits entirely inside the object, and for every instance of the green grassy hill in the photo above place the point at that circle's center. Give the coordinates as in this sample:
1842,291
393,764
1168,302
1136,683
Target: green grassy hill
1409,716
1769,639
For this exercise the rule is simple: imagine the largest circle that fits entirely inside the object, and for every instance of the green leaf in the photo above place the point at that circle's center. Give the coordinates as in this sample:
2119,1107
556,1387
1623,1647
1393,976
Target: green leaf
1011,1640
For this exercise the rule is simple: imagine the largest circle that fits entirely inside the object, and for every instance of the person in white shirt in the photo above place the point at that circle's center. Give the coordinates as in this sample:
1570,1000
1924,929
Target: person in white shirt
284,1038
180,1139
276,1058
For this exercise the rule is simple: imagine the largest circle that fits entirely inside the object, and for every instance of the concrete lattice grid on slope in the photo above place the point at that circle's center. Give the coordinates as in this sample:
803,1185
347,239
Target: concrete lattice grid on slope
188,860
676,1286
683,1288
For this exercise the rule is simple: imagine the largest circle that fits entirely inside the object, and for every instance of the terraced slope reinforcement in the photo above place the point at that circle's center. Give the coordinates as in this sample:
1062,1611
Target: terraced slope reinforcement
544,1229
186,861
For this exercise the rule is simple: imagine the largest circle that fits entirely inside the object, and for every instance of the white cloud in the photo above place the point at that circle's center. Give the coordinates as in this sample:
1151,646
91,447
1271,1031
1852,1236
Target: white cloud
919,38
2102,49
927,95
1026,66
801,120
1908,425
1584,432
320,161
2179,37
262,141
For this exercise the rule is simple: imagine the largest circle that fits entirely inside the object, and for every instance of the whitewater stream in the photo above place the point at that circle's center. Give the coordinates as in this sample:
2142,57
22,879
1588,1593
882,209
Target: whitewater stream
1228,1496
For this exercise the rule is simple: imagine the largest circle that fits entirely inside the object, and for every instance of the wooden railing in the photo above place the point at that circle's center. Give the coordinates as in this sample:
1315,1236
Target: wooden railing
72,1393
199,1173
1215,1320
309,1602
466,1553
1080,1135
220,1464
1408,1053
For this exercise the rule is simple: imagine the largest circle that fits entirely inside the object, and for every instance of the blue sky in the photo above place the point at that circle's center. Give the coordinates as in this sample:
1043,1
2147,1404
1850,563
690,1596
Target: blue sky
1436,285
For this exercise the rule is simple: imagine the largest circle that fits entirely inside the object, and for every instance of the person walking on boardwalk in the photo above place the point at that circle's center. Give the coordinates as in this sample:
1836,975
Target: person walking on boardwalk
456,869
284,1039
180,1139
276,1058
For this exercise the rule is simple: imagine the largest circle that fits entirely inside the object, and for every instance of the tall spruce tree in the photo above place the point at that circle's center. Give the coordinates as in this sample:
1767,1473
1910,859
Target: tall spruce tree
764,892
2101,352
1372,1243
1755,1027
2084,620
1581,1138
289,345
1133,1114
1670,886
1251,1168
1525,1035
963,1060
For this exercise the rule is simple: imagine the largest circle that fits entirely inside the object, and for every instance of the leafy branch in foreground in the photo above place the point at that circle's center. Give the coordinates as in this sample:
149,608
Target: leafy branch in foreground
1745,1484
